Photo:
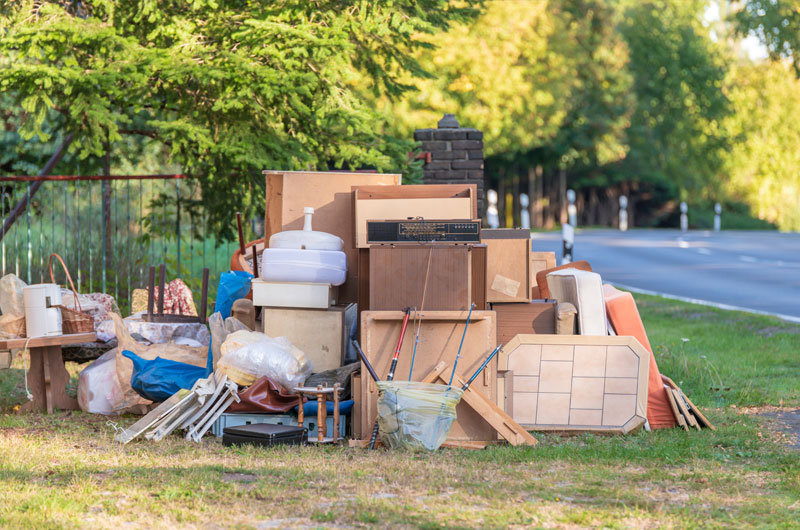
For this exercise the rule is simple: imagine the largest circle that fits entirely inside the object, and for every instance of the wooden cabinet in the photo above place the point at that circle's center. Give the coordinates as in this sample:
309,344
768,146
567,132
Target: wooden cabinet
538,316
322,334
456,277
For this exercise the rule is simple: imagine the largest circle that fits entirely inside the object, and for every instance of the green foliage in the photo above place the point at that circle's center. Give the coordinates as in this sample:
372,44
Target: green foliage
776,23
229,87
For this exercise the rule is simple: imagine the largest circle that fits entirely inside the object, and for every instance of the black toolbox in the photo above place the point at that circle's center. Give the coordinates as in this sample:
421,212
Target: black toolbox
264,434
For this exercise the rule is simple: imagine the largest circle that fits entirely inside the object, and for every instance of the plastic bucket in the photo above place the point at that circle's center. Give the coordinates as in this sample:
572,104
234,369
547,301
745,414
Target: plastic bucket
415,416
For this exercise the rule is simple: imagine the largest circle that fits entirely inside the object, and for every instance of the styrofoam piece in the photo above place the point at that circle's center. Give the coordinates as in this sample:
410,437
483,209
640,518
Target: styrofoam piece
311,266
306,238
235,419
293,294
41,318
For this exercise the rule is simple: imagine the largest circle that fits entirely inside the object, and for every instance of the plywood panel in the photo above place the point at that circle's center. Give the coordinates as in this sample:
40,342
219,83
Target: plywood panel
577,383
330,194
523,318
540,261
440,334
507,265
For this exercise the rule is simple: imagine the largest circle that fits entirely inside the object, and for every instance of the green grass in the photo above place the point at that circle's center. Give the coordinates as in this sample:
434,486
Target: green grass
65,470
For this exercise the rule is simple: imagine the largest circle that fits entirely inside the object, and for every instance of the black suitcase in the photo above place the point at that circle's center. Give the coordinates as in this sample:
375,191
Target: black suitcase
264,434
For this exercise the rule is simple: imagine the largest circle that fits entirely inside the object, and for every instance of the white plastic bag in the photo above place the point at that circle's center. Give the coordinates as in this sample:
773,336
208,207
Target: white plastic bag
220,330
248,355
98,388
11,301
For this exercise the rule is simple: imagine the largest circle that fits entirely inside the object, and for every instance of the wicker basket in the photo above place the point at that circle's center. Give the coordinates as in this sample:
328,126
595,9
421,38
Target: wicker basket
73,320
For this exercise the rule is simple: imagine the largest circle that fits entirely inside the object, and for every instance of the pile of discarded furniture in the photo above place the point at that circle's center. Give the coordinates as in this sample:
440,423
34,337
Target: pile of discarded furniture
364,291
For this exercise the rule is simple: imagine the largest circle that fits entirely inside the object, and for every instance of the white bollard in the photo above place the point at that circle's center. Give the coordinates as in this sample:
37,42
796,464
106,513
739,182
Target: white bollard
568,242
524,213
717,217
623,213
491,211
684,216
572,211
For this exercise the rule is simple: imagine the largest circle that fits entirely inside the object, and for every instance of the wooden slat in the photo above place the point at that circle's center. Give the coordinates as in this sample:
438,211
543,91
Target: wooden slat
54,340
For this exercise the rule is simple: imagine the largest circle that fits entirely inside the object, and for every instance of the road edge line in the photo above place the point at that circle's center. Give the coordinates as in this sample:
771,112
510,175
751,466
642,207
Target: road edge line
727,307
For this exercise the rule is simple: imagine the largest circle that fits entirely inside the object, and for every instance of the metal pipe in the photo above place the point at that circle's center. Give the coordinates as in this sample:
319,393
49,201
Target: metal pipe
479,370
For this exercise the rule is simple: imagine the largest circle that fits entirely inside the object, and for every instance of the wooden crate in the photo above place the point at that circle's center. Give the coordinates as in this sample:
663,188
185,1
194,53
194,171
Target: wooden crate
429,201
440,335
574,383
330,194
538,316
456,277
540,261
508,276
322,334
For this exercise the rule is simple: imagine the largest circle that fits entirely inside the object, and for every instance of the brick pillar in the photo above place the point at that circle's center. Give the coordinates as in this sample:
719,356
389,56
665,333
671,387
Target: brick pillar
456,155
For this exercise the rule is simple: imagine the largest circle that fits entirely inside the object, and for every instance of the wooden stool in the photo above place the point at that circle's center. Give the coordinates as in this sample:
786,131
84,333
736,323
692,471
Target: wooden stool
321,394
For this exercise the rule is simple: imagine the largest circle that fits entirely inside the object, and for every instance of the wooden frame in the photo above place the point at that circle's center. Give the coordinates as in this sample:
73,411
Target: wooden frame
440,335
508,264
330,194
574,383
430,201
540,261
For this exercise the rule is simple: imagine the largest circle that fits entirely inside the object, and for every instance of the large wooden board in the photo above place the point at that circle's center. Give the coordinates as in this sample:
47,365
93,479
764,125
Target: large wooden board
572,383
540,261
507,265
429,201
330,194
322,334
51,340
440,335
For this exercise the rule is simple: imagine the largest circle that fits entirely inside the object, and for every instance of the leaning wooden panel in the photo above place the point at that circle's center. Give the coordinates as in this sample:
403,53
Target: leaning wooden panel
573,383
330,194
440,335
540,261
507,264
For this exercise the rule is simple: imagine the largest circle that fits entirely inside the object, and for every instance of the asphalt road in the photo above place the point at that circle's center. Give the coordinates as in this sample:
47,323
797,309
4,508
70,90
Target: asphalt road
751,270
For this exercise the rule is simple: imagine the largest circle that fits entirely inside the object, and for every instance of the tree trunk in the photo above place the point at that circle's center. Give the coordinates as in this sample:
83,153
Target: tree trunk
538,207
562,196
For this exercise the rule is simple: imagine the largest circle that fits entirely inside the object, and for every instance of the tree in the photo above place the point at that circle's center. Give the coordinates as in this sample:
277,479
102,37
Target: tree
776,23
231,87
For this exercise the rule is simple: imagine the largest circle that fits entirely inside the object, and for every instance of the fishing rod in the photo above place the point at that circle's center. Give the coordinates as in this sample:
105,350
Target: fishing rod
391,370
479,370
421,309
458,356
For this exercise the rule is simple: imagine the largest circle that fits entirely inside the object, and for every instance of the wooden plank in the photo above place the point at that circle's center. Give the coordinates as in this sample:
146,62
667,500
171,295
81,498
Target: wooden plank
440,335
51,340
330,194
677,411
494,416
507,265
5,360
694,409
690,419
355,416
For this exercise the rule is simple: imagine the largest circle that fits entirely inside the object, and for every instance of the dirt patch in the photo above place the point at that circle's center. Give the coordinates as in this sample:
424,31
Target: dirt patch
788,422
239,477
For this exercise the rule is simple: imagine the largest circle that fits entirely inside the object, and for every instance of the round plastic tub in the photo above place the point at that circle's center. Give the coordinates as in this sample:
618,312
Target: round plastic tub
307,266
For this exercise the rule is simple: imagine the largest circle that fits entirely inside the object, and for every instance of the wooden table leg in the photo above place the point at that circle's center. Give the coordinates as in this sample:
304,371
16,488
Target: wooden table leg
320,414
47,381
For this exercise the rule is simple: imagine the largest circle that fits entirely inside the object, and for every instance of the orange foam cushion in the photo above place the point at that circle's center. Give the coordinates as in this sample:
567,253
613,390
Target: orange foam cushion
624,317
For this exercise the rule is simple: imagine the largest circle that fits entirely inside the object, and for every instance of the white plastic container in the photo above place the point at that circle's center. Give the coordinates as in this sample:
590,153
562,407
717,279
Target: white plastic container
304,266
306,238
286,294
41,317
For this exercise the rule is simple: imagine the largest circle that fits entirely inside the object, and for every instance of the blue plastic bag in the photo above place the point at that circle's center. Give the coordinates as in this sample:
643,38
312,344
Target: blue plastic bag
232,286
159,379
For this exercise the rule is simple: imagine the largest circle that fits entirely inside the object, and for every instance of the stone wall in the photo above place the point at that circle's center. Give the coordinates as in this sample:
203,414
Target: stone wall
455,155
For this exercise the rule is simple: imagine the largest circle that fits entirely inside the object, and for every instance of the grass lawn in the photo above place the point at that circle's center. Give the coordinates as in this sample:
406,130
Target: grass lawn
65,470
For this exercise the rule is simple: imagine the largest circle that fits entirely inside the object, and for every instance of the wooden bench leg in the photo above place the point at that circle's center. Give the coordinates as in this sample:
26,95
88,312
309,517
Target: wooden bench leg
47,381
